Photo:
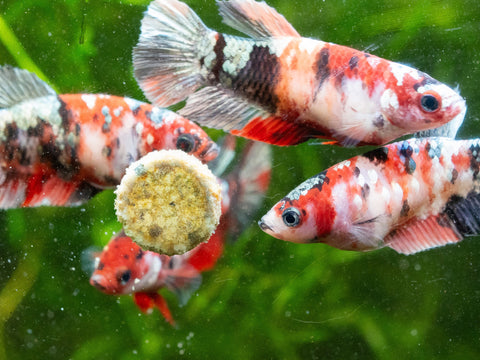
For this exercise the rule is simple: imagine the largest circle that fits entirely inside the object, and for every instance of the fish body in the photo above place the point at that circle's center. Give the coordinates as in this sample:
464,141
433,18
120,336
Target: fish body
411,195
63,149
124,268
278,87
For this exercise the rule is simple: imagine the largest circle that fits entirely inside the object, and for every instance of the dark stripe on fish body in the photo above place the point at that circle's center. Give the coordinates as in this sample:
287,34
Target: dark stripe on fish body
379,155
464,213
219,58
258,78
474,153
322,70
353,62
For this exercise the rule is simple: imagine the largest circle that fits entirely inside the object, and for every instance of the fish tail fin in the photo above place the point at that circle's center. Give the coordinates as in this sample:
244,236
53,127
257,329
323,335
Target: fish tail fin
147,301
182,279
251,177
167,58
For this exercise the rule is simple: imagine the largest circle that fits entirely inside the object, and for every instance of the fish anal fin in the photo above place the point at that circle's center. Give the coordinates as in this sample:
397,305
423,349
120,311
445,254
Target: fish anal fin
423,234
182,279
255,19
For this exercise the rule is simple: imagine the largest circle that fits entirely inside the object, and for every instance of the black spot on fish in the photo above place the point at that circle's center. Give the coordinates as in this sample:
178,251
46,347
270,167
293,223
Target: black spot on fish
258,78
139,254
219,58
37,130
126,256
454,176
100,266
406,151
65,115
356,171
379,122
353,62
107,151
464,213
11,132
379,155
321,68
405,208
365,191
427,80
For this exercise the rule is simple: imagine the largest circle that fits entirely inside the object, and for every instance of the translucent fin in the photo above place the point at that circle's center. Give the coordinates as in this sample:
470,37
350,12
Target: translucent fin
253,178
166,59
17,85
182,279
449,129
256,19
226,155
418,235
220,109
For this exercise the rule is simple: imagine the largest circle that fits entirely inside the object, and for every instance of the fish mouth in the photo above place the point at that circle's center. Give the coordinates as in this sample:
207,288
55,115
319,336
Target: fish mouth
210,152
264,226
94,281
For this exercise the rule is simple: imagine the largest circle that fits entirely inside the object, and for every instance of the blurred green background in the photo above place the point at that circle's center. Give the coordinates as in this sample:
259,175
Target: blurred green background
266,299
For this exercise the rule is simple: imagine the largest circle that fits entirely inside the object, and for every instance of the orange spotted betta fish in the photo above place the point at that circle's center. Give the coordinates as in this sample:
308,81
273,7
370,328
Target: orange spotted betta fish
278,87
411,196
62,149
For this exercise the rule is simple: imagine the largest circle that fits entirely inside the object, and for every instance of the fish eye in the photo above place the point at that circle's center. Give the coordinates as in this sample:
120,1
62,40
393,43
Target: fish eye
291,217
124,276
186,142
430,101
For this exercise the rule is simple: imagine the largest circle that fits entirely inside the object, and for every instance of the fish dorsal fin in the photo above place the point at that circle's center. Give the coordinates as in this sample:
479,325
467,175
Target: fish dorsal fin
460,218
255,19
17,85
220,109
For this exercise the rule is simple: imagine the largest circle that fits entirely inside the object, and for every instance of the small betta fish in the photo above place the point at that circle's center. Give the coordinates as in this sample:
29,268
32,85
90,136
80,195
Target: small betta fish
411,195
62,149
124,268
278,87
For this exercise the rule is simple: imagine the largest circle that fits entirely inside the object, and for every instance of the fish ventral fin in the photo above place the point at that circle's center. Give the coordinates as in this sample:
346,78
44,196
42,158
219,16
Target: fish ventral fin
166,59
460,218
18,85
255,19
219,108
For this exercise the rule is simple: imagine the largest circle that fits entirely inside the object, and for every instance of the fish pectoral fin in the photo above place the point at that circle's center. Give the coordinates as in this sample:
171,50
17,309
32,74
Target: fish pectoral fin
220,109
255,19
182,279
147,301
18,85
418,235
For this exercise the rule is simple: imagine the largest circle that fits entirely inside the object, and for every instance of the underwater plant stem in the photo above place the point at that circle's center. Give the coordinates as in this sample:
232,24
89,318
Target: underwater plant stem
16,289
18,52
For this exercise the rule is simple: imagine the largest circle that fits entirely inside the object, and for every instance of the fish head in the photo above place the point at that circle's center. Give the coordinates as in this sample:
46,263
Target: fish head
192,139
305,215
119,266
414,101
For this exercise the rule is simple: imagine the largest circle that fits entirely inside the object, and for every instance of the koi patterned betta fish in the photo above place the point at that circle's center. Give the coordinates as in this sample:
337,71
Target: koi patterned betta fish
411,196
63,149
278,87
124,268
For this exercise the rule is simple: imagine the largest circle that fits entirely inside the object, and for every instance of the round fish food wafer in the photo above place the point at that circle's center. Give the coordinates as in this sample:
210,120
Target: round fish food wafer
168,202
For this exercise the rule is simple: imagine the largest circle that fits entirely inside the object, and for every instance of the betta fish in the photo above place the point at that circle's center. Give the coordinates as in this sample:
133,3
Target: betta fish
61,150
124,268
278,87
410,196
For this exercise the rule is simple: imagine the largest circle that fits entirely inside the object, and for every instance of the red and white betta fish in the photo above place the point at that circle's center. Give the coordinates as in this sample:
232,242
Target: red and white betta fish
278,87
410,195
62,149
124,268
